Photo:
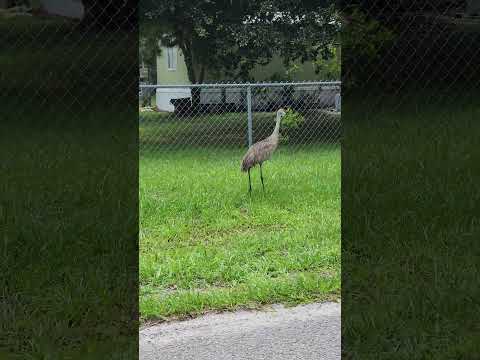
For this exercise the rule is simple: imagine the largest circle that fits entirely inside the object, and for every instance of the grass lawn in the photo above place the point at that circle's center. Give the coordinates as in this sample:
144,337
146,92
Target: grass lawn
68,184
66,227
206,245
410,229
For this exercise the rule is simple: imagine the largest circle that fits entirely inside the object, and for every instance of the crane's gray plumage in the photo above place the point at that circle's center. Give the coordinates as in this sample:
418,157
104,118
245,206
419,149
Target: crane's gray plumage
262,150
259,153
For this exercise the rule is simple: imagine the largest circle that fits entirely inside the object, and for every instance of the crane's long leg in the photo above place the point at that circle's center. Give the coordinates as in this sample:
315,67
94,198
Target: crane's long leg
249,183
261,177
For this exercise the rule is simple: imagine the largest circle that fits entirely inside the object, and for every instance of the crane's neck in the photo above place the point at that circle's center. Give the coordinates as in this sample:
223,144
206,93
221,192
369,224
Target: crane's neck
277,125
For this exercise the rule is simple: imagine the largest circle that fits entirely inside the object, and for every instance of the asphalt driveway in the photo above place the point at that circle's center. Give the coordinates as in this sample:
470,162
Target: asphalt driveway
303,332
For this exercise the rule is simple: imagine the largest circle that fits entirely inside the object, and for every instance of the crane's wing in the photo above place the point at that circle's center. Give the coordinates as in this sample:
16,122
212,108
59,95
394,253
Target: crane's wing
259,153
263,149
249,159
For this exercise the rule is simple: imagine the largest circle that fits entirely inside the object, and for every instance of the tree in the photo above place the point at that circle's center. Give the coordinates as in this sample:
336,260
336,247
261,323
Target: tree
149,48
299,29
204,31
230,37
330,68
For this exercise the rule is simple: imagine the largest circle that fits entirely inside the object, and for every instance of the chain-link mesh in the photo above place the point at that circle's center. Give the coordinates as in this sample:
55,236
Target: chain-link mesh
409,51
78,64
237,115
410,80
68,82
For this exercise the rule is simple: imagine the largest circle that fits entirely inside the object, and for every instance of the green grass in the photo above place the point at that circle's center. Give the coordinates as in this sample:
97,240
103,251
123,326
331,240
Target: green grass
69,264
410,228
206,245
167,131
68,185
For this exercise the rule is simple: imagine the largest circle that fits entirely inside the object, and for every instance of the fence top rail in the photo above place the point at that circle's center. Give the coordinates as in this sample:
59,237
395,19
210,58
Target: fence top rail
230,85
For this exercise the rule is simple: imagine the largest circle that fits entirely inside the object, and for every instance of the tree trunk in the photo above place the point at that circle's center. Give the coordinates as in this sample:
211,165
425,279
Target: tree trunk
224,96
196,99
187,53
197,91
202,74
196,74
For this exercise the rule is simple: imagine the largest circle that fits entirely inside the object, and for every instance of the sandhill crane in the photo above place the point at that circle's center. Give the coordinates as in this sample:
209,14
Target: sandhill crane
261,151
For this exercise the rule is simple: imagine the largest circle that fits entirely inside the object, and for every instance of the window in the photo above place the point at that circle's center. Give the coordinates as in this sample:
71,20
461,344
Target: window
172,58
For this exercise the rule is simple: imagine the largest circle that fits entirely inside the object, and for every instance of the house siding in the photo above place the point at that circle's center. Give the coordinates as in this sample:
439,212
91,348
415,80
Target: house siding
174,77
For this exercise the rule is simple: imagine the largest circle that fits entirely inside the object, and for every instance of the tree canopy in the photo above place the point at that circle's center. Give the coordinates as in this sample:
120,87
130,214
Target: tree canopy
232,36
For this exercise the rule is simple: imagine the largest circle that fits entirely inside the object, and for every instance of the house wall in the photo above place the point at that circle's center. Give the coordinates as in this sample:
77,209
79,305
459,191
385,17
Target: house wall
174,77
165,76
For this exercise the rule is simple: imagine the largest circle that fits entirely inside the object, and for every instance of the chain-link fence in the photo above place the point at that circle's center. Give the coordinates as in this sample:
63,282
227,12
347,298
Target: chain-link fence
409,51
410,85
237,114
68,83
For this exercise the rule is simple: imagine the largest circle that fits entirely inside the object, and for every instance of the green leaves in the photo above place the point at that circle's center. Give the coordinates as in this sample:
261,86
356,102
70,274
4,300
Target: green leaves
292,119
229,39
363,37
330,68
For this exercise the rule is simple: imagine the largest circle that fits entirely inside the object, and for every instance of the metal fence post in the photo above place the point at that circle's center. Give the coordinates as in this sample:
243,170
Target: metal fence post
173,102
249,112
